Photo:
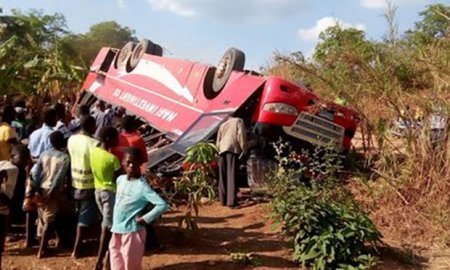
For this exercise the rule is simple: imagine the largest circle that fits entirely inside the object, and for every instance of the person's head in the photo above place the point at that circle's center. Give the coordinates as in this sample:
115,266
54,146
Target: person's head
50,117
128,123
21,113
60,110
20,103
120,111
108,136
7,113
88,125
57,140
83,110
132,162
100,105
20,155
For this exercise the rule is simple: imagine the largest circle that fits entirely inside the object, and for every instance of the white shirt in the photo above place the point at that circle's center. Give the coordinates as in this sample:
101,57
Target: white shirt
8,187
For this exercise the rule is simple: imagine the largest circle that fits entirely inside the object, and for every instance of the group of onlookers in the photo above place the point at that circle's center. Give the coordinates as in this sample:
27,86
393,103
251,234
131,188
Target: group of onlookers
100,162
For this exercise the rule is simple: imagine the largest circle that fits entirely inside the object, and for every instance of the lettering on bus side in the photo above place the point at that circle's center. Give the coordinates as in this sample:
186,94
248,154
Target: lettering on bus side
145,105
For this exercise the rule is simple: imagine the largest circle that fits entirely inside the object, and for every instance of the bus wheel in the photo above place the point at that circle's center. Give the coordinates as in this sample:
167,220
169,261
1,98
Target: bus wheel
144,46
123,55
232,60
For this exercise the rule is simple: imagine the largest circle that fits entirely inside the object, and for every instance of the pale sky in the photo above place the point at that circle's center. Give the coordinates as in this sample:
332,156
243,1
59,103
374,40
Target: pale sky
201,30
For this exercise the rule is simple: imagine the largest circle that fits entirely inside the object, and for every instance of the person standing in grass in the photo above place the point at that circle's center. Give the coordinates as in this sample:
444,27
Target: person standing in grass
48,175
105,168
127,243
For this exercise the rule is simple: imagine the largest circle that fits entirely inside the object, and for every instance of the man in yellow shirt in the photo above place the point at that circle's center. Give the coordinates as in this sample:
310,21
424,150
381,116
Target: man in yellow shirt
8,135
79,147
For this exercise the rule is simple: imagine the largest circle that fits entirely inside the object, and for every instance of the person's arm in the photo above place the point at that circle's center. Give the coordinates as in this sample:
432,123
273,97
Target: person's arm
36,173
242,137
48,145
60,175
3,176
118,169
141,145
219,136
160,205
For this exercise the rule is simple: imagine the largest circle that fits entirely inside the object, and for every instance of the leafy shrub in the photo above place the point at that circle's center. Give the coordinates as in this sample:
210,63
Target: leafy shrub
197,181
328,229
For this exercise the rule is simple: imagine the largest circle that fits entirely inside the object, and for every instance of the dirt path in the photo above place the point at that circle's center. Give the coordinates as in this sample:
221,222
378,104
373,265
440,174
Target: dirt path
223,231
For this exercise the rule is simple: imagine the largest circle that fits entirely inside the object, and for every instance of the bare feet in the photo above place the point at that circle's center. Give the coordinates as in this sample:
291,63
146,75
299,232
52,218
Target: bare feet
41,254
74,255
98,266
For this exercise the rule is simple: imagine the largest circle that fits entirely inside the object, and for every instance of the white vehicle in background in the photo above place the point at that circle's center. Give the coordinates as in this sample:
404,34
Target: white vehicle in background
438,123
439,127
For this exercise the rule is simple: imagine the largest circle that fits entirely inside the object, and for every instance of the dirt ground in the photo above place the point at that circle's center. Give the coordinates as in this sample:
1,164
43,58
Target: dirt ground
222,231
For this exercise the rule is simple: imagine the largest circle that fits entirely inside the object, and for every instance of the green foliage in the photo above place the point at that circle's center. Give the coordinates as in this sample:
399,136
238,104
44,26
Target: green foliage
245,258
197,181
328,229
435,24
30,51
202,153
405,77
39,55
85,47
336,42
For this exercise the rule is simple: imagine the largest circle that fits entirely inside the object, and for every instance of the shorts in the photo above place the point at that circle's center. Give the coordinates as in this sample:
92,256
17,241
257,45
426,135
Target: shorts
105,201
87,212
47,212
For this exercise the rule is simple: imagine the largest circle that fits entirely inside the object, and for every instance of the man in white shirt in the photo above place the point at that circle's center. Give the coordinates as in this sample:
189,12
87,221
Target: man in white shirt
232,144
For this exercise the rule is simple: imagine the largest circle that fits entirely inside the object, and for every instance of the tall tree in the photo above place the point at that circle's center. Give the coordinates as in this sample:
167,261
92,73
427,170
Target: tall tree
103,34
30,54
435,24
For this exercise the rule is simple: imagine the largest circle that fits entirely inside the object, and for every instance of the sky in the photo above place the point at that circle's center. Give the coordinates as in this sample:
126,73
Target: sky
201,30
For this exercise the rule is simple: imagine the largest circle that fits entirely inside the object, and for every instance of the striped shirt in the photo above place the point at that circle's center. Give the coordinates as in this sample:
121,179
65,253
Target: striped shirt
51,169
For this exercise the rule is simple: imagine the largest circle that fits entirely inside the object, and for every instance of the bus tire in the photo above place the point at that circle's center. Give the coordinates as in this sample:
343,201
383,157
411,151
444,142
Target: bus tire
123,55
232,60
144,46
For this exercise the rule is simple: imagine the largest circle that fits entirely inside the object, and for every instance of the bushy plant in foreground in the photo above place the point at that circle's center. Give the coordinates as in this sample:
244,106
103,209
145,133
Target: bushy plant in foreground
326,226
197,181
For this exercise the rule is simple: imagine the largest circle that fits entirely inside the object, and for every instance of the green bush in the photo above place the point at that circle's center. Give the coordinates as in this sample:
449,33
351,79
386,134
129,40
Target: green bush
196,182
327,228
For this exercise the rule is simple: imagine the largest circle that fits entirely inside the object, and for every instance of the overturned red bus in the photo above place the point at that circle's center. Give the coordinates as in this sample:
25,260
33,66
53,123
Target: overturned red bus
186,102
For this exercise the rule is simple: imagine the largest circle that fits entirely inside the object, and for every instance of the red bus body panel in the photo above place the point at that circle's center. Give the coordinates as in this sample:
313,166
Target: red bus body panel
169,95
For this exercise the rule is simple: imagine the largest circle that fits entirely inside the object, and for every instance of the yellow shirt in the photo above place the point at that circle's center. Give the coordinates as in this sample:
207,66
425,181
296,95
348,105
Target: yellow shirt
6,133
79,147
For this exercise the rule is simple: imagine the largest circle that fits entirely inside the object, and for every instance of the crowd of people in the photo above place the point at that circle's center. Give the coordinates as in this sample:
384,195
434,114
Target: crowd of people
96,157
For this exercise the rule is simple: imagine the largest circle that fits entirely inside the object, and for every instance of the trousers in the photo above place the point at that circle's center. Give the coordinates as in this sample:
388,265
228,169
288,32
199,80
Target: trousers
126,250
227,178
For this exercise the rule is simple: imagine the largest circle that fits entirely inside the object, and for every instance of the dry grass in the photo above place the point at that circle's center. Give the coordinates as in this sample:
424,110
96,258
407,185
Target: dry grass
403,182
